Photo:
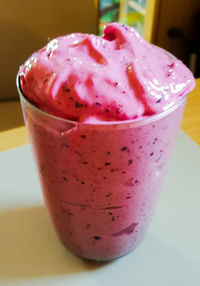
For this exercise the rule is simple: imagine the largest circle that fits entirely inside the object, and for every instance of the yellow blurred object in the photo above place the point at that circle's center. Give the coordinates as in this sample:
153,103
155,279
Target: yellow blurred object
133,17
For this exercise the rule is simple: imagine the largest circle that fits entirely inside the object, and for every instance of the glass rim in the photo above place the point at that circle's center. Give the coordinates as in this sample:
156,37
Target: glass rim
120,124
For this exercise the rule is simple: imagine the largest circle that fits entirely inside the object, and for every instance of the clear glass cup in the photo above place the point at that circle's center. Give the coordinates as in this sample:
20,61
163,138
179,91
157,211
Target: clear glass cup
101,182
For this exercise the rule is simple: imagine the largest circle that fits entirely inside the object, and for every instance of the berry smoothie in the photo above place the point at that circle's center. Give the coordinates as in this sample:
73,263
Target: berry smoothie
102,115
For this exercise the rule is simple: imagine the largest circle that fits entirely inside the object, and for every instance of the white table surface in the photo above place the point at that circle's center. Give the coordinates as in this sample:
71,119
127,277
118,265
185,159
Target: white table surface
30,253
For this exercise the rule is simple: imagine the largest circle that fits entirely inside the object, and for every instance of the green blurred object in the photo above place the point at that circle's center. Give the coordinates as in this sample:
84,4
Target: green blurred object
109,12
127,12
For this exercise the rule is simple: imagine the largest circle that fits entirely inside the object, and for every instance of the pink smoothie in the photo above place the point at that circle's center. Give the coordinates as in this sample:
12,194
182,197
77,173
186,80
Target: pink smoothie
101,174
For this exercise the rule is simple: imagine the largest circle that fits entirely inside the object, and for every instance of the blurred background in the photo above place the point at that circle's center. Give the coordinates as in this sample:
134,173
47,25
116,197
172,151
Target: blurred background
26,26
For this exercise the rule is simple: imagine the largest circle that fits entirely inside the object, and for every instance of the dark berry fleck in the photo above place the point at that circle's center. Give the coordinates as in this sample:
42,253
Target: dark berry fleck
99,168
108,195
128,198
78,104
136,181
66,89
85,162
78,153
65,179
82,182
69,213
113,218
151,153
125,27
123,91
130,161
140,147
98,104
107,110
110,213
159,100
42,168
88,225
155,140
107,163
105,177
124,149
108,153
65,145
83,136
96,237
124,172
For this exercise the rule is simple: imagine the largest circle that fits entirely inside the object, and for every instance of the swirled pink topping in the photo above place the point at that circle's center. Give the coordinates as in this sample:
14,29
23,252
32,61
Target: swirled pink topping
119,76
